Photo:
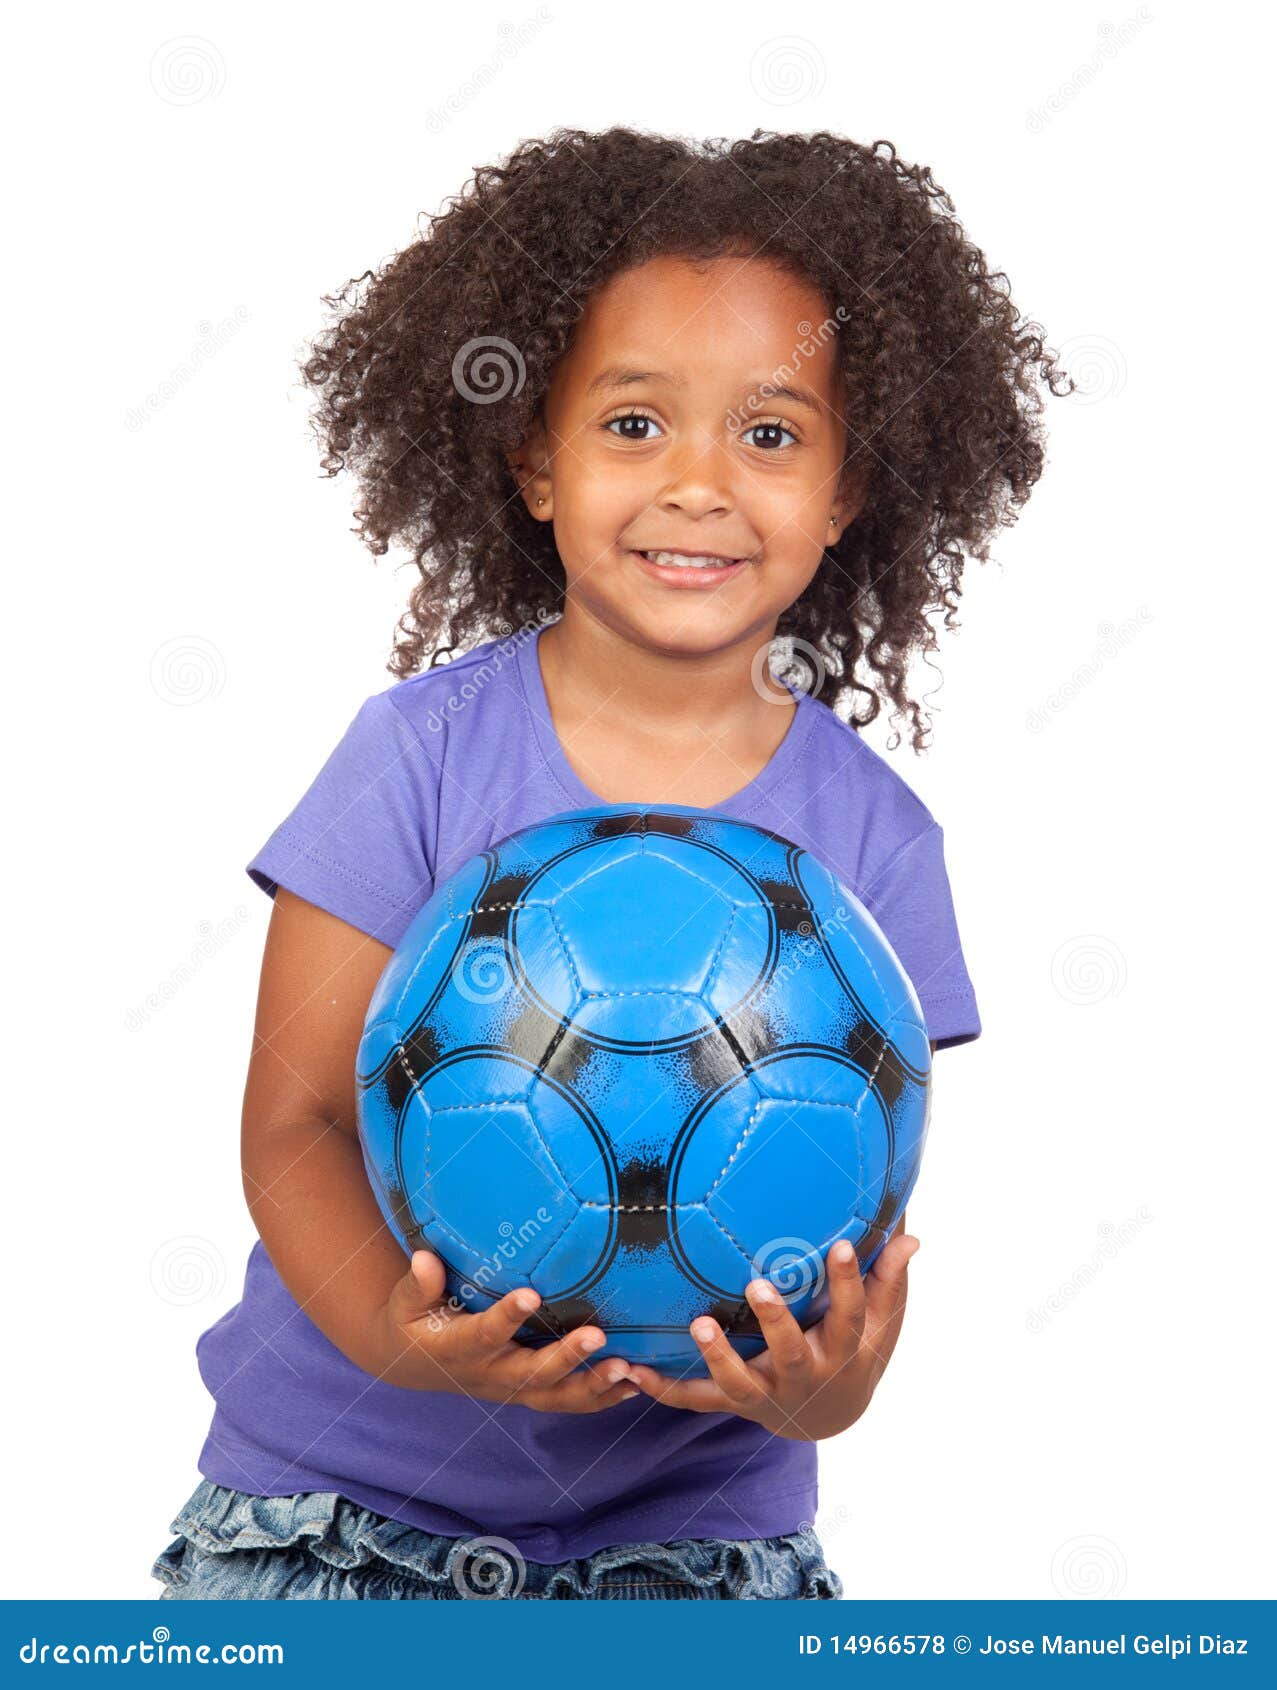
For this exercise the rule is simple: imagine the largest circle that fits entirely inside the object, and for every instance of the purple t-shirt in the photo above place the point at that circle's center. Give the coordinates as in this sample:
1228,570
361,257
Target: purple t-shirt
430,771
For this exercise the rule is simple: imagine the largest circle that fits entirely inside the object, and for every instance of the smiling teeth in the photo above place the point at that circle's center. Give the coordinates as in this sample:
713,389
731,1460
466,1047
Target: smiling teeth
675,560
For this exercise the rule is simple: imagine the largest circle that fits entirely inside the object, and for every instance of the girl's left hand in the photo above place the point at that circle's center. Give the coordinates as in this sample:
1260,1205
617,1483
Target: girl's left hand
805,1385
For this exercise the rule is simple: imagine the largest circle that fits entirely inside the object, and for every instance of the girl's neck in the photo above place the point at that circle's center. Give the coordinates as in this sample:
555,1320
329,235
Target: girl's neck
589,669
655,727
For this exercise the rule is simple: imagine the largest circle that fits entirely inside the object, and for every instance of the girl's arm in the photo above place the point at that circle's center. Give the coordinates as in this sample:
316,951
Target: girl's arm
309,1195
303,1171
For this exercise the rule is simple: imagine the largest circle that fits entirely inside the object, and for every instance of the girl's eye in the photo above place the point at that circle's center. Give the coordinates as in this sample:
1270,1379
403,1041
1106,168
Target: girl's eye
633,417
770,429
635,425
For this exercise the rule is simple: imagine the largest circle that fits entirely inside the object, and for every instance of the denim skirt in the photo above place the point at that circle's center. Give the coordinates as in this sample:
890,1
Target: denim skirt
319,1546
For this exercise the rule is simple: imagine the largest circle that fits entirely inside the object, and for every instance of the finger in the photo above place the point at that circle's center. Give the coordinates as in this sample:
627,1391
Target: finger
536,1369
493,1328
705,1396
597,1379
786,1341
600,1376
623,1391
886,1291
421,1287
585,1392
728,1370
429,1275
844,1321
419,1291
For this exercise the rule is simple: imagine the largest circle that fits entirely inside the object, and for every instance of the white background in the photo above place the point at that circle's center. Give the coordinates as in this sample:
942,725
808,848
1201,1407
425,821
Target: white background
1077,1403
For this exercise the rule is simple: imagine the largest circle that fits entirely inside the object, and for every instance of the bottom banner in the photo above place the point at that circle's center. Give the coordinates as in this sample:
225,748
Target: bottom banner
793,1643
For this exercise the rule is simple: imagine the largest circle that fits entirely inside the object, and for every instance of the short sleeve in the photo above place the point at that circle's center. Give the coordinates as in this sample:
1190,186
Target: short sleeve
910,899
360,842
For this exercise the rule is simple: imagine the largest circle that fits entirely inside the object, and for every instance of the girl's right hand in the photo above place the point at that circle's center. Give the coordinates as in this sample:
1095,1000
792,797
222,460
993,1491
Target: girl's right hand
426,1344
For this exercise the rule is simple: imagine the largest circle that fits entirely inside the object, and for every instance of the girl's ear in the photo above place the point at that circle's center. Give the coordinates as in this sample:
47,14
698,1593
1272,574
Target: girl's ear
531,472
850,501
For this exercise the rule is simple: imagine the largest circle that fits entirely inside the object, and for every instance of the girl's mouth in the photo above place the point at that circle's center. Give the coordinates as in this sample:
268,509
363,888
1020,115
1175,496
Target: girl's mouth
680,569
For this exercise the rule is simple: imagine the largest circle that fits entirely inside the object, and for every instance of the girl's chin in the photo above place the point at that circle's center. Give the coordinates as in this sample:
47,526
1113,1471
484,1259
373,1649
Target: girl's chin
689,635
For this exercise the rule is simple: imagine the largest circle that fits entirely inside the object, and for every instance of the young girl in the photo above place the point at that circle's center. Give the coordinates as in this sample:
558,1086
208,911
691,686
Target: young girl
644,411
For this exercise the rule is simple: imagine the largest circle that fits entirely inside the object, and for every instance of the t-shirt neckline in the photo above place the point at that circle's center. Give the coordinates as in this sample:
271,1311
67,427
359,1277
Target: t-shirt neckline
551,748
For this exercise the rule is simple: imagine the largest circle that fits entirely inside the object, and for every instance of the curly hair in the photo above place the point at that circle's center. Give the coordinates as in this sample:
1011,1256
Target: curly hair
939,372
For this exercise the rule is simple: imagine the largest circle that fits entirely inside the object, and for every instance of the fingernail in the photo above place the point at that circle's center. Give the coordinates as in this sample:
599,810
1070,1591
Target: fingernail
764,1292
843,1252
593,1342
703,1331
526,1300
633,1391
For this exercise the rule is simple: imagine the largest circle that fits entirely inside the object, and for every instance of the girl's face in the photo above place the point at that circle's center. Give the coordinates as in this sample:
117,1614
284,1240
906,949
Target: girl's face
697,412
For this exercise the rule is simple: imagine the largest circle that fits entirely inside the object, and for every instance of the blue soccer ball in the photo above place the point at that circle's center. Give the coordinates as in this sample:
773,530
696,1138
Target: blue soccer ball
636,1056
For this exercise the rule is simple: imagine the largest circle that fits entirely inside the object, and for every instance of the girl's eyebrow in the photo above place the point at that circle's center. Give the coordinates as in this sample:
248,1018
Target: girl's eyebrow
618,375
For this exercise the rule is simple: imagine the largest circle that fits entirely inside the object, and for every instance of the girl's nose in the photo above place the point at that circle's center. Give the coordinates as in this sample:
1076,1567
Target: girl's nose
700,484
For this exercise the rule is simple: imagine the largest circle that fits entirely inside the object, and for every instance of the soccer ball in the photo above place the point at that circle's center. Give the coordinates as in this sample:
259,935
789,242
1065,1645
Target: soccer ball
636,1056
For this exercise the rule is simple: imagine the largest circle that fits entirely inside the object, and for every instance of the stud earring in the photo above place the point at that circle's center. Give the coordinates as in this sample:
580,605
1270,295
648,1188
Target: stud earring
540,501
